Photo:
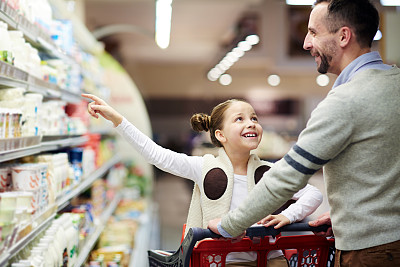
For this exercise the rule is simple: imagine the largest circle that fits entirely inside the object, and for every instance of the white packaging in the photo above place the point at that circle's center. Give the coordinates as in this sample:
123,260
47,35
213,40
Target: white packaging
25,176
5,178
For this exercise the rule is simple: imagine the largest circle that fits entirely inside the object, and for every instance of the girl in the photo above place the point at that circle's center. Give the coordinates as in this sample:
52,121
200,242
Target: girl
222,182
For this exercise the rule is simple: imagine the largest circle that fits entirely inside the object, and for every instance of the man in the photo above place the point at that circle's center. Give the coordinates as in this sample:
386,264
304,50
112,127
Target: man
353,134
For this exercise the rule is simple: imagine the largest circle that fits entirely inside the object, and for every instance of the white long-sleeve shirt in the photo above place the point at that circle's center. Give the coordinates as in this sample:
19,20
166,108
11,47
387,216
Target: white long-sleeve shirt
190,167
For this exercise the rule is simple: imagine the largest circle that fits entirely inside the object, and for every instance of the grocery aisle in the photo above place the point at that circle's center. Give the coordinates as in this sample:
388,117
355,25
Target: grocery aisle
172,194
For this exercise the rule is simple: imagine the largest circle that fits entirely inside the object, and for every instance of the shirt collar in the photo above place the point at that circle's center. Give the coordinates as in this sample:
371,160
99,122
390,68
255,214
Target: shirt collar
365,61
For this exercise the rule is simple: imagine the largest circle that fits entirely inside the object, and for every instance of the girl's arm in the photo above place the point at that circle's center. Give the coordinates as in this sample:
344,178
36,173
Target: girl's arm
178,164
307,199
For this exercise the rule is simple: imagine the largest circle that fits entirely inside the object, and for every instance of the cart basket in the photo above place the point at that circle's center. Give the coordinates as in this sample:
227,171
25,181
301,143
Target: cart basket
300,250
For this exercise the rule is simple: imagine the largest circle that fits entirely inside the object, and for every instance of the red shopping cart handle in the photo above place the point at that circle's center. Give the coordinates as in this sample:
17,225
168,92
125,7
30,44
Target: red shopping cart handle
181,257
261,231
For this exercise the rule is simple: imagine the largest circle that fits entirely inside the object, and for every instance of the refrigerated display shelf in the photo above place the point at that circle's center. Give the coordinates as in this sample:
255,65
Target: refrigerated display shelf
42,147
92,239
19,245
40,224
36,36
83,36
86,183
14,77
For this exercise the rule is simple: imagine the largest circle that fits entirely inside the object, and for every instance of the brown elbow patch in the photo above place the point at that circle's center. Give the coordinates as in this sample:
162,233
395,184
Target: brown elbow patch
215,183
258,174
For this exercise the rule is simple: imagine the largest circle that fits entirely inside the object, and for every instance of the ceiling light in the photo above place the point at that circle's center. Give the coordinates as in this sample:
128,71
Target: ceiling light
227,62
390,2
300,2
163,22
253,39
244,46
225,79
378,35
213,75
274,80
322,80
238,52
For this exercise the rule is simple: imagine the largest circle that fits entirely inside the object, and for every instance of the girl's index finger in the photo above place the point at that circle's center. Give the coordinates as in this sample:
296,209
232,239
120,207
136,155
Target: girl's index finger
93,97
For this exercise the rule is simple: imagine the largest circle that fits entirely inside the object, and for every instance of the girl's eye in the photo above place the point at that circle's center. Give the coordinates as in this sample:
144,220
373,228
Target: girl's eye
239,119
254,119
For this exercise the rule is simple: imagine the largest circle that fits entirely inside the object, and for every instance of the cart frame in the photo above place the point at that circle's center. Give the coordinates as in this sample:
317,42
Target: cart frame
198,250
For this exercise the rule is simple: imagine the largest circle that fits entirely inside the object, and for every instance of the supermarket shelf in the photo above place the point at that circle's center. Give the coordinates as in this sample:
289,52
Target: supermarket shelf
13,77
8,15
20,244
39,225
35,35
68,142
92,239
82,34
42,147
87,182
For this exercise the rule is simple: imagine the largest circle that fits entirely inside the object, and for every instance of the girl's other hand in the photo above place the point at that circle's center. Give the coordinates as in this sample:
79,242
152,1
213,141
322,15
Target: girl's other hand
277,220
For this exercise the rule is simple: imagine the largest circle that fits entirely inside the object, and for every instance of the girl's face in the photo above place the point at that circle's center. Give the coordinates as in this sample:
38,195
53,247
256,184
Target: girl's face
241,131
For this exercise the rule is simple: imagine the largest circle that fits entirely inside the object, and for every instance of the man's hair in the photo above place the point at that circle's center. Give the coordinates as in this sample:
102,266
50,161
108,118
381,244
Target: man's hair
359,15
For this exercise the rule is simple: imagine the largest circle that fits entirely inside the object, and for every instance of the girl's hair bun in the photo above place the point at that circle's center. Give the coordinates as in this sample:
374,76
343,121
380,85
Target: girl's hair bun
200,122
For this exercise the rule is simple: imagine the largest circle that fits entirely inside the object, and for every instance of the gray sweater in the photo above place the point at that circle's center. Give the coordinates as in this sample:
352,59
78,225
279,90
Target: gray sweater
355,134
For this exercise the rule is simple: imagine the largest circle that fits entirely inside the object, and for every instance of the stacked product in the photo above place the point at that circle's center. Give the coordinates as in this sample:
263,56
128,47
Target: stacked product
57,246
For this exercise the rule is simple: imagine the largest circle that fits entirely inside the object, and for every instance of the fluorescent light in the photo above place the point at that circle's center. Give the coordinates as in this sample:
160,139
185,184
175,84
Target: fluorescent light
225,79
244,46
378,35
300,2
390,2
238,52
322,80
230,58
163,22
213,75
253,39
274,80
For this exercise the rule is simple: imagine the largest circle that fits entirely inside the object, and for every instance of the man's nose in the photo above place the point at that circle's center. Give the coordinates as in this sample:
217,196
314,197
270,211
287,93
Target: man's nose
307,45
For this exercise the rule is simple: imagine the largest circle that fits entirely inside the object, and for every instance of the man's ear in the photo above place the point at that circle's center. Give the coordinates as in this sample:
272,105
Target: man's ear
345,35
220,136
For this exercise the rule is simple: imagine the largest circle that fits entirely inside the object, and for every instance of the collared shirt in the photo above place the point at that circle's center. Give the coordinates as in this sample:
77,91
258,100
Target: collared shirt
371,60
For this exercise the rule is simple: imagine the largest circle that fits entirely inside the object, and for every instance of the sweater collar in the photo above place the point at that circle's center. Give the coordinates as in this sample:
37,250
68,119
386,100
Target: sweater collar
371,60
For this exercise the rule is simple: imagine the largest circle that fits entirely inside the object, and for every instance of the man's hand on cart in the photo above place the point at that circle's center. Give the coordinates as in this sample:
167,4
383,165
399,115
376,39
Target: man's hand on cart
277,220
325,218
213,226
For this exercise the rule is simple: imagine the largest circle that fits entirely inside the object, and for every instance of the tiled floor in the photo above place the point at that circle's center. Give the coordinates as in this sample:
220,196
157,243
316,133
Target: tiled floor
173,194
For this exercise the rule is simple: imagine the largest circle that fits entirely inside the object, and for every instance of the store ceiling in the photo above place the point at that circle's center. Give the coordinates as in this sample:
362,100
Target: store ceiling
199,27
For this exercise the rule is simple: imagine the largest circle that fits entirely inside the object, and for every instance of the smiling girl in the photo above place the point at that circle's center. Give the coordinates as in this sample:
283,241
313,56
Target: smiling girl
221,182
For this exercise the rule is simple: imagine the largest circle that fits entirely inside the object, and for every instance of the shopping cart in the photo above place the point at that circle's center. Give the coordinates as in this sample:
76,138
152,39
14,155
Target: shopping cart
300,250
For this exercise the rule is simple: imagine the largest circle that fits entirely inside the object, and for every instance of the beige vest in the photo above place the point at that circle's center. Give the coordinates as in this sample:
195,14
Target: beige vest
213,199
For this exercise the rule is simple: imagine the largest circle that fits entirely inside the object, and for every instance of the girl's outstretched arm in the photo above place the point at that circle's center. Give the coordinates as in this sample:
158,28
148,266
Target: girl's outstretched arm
99,106
178,164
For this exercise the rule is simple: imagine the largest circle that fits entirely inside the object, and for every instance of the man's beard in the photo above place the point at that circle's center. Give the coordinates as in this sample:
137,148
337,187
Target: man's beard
325,65
326,58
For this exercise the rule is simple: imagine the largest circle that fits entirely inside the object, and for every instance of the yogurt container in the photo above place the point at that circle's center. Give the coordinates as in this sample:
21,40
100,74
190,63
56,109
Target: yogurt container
8,201
25,176
5,178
